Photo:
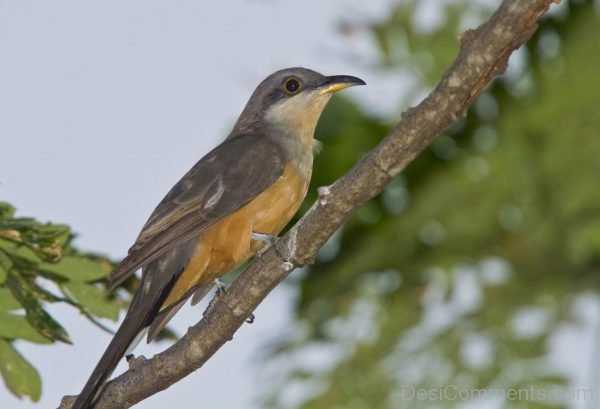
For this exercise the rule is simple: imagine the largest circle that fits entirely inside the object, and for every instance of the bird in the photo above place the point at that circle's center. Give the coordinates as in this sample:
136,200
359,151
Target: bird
218,215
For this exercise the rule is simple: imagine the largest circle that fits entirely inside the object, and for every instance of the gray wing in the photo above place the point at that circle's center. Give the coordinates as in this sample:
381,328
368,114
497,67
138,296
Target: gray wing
220,183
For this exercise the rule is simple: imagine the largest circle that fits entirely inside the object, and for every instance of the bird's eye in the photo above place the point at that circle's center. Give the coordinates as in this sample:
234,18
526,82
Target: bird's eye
292,85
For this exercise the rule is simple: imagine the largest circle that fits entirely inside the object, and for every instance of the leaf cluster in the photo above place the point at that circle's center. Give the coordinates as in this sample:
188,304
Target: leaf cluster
38,267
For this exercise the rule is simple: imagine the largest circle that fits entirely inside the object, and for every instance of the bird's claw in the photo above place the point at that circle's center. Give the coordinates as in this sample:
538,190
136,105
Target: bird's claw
221,291
221,288
270,240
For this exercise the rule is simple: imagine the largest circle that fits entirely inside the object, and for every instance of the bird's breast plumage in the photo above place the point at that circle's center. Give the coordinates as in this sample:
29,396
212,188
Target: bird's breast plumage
227,244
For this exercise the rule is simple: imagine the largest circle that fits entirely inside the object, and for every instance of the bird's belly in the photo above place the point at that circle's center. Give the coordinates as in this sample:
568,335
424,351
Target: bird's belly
227,244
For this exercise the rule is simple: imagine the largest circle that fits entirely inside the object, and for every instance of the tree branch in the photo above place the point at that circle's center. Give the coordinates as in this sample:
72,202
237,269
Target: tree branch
484,53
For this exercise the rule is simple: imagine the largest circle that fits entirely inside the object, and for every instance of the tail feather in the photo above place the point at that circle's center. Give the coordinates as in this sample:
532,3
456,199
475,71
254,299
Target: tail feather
140,314
126,334
158,278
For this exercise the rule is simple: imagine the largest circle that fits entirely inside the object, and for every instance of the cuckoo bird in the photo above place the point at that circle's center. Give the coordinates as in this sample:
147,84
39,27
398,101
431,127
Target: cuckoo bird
218,215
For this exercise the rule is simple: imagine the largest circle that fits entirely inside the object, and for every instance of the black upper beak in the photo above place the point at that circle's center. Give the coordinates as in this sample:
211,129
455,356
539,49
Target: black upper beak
336,83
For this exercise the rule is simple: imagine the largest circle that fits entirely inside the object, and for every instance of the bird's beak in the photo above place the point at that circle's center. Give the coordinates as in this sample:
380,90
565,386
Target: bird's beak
336,83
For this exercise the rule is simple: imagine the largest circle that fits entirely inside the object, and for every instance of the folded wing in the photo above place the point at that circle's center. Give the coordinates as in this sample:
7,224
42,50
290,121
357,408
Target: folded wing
220,183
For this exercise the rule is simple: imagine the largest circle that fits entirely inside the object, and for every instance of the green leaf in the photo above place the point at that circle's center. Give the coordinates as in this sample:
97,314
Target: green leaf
6,211
16,327
36,315
42,294
8,301
79,269
94,300
5,261
17,250
20,377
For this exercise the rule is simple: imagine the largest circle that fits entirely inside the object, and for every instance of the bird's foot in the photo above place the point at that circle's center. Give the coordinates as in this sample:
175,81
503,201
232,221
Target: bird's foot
221,291
272,242
265,238
268,239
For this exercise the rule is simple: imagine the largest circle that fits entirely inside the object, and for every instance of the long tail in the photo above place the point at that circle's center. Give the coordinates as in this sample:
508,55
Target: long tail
158,278
126,334
142,311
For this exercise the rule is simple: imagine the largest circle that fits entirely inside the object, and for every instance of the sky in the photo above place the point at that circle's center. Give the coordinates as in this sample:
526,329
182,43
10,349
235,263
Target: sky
105,105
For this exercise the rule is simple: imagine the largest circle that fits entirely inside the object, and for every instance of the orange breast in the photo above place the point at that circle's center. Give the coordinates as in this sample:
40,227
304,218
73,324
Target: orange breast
227,244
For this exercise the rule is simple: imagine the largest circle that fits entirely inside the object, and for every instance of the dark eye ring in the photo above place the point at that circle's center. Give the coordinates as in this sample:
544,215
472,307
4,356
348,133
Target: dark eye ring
292,85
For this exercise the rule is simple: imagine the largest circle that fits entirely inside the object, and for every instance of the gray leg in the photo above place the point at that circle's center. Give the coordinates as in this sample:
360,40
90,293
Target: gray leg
221,291
221,288
264,237
270,240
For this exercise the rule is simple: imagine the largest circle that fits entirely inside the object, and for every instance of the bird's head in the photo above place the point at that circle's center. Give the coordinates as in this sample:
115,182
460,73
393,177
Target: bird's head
291,100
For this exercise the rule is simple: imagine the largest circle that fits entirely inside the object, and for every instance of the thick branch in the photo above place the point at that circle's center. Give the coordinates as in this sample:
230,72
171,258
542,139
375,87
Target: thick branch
483,54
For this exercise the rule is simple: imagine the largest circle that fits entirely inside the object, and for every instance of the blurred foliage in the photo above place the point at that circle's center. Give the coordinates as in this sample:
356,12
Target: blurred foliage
39,266
465,267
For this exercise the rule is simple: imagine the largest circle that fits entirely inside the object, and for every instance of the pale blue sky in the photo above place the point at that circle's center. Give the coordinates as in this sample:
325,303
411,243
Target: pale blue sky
104,105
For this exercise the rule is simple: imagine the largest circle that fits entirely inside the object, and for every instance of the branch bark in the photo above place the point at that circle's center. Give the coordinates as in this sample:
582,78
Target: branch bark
484,54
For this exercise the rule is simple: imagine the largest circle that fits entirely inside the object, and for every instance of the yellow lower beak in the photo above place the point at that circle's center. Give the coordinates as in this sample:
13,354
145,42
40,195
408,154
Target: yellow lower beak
330,89
339,82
